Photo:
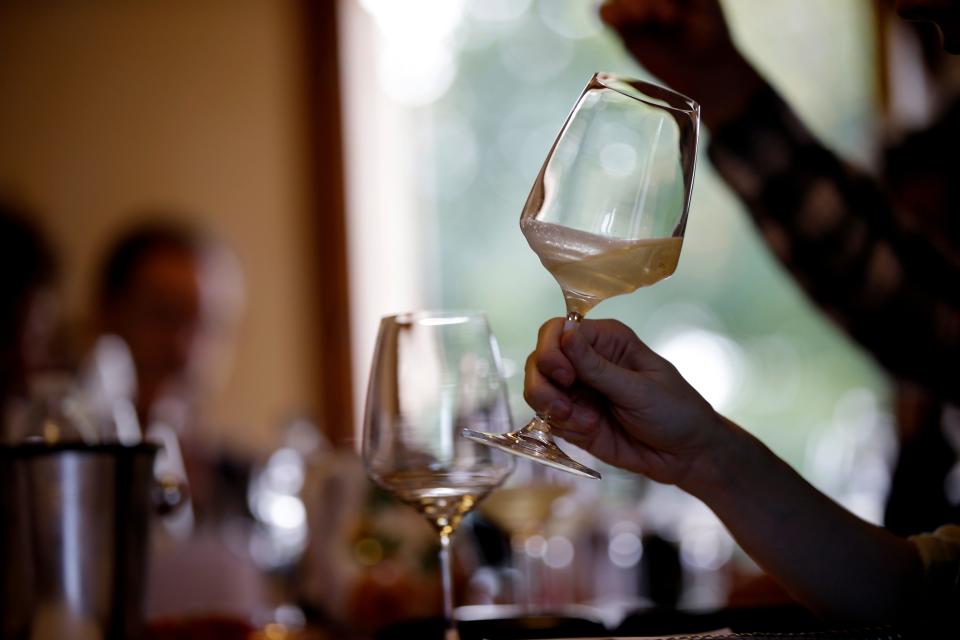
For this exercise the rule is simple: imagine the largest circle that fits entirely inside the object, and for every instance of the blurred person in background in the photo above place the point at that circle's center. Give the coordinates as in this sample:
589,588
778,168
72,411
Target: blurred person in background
174,295
879,256
29,308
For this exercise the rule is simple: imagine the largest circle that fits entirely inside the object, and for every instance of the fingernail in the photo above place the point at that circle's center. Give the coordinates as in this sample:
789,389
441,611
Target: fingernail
570,342
569,325
563,376
559,409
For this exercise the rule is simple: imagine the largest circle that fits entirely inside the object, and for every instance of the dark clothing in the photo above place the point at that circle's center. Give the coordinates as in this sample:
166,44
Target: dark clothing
884,262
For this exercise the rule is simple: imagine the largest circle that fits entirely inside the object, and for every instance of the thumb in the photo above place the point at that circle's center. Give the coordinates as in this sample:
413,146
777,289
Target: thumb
594,370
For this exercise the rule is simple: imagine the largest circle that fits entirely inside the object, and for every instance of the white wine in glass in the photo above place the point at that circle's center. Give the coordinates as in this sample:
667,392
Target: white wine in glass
607,212
591,268
434,374
442,498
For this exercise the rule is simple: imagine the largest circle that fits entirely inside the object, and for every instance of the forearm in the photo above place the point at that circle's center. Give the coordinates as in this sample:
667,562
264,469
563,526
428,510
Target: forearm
827,558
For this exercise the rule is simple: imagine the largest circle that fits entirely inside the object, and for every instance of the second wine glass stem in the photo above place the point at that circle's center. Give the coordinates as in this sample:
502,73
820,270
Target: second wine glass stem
446,576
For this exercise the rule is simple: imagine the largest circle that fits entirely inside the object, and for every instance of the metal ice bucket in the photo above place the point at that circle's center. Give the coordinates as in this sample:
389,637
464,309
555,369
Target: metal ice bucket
73,540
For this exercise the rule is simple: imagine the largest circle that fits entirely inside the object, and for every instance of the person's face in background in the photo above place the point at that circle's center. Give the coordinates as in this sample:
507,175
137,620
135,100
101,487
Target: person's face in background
31,344
41,332
943,13
176,313
30,327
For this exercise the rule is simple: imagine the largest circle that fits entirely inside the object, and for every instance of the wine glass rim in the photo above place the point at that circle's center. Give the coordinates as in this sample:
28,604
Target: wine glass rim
437,316
648,92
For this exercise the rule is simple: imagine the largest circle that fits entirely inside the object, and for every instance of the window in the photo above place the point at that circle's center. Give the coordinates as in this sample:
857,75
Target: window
451,107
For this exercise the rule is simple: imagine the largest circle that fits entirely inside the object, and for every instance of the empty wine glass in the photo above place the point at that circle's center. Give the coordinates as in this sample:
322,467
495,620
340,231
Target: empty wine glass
607,213
433,374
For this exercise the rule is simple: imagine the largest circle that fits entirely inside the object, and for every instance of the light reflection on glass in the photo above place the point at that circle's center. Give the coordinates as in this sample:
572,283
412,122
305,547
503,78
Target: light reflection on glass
273,497
625,549
535,546
706,547
559,553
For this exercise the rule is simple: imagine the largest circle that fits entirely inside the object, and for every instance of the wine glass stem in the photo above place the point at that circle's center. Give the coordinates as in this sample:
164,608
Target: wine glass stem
446,575
539,427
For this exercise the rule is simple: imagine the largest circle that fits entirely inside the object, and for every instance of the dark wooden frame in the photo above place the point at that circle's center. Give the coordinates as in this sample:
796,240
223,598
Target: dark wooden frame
327,219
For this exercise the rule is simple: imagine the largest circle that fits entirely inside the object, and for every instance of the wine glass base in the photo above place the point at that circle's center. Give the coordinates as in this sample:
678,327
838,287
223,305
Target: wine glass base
544,451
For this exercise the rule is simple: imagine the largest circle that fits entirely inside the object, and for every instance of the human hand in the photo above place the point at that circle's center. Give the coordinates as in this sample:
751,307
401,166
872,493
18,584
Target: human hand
608,392
687,44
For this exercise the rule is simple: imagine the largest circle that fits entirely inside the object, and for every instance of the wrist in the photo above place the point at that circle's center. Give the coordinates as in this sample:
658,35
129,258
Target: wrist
719,467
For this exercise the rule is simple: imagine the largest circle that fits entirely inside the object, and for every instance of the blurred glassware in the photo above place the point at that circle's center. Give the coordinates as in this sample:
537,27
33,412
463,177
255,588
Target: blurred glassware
92,407
107,389
174,484
74,566
275,496
55,413
109,384
521,509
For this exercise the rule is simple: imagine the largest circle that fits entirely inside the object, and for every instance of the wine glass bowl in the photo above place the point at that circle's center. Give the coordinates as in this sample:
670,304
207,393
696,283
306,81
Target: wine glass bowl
433,375
607,212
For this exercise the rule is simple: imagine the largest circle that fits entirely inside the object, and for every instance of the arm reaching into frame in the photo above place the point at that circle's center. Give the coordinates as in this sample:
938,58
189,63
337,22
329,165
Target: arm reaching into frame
607,392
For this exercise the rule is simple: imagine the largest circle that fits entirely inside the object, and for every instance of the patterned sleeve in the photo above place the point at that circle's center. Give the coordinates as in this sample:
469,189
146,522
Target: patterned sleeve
894,290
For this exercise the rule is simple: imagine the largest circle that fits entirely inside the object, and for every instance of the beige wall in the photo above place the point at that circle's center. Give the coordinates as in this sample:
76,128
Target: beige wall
110,106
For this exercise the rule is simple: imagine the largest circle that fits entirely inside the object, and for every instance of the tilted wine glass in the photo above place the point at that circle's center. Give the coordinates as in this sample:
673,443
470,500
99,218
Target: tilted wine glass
607,213
433,374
